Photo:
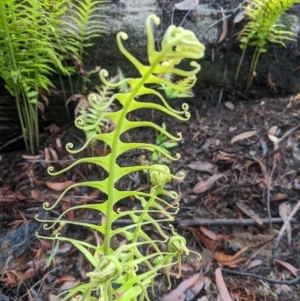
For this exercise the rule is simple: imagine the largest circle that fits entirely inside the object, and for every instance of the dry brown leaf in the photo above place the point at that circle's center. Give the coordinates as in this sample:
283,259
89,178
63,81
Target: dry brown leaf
187,5
274,139
253,263
66,206
179,294
248,211
227,260
279,197
20,197
53,154
34,194
208,244
203,166
230,260
29,273
282,288
284,212
239,17
240,252
289,267
203,186
224,26
243,136
59,186
28,157
47,155
204,298
210,234
213,236
272,130
68,285
222,289
58,143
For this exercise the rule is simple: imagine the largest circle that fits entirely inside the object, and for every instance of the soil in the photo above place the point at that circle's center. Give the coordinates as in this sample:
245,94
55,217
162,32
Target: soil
241,161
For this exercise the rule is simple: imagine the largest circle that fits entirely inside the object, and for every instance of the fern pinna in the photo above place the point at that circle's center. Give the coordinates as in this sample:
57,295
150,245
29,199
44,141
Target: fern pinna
262,28
115,271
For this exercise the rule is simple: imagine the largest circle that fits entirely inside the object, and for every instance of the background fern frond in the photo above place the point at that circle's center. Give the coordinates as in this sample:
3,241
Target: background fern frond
84,23
262,28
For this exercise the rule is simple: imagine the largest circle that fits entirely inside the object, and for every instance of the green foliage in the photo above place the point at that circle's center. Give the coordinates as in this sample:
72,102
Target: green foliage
262,28
185,83
35,42
164,144
27,56
115,272
84,25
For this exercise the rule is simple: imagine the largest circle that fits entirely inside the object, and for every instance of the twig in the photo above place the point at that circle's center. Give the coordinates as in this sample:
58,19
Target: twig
283,228
270,280
178,221
227,222
11,141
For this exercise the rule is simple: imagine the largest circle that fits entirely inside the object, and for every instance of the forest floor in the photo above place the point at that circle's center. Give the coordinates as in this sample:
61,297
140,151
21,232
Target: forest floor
238,204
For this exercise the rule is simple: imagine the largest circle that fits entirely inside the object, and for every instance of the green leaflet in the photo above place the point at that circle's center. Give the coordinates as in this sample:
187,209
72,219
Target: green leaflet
262,28
115,271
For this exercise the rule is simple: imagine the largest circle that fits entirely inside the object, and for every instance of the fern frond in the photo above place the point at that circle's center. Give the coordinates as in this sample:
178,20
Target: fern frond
84,23
115,270
123,85
262,28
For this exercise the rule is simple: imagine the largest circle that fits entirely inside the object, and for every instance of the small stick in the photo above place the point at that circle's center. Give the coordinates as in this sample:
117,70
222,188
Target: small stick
283,228
227,222
180,222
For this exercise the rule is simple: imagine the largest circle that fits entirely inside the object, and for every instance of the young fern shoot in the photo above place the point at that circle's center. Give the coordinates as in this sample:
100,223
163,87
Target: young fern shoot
262,28
114,271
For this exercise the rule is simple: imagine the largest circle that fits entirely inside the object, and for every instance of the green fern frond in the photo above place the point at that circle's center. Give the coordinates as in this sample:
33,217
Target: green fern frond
114,271
123,88
84,23
262,27
184,88
29,56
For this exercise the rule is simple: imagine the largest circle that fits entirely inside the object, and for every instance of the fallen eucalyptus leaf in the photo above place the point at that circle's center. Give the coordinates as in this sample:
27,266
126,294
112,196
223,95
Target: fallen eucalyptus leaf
224,26
222,288
59,186
203,166
248,211
187,5
239,17
243,136
203,186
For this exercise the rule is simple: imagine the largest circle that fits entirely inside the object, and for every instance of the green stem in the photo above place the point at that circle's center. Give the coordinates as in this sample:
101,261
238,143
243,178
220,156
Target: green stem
13,64
119,128
240,64
253,68
22,121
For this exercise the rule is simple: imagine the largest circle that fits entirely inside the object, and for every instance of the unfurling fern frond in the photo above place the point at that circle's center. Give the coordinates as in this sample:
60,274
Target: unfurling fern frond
261,28
92,115
114,270
185,85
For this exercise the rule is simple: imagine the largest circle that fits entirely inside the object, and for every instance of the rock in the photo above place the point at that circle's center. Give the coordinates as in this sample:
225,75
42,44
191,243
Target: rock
278,71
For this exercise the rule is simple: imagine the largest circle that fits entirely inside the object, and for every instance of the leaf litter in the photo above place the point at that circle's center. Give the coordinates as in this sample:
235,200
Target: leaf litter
230,176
